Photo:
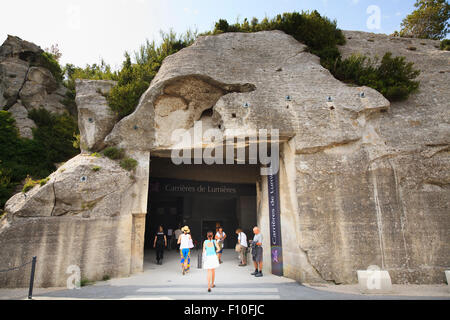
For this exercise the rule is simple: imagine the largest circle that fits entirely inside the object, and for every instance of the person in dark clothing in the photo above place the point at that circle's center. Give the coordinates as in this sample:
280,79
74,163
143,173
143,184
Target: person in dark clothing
160,243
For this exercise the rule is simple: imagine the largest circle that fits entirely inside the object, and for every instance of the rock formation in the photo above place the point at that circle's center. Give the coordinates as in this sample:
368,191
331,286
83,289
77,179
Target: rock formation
26,83
80,214
95,118
363,182
23,123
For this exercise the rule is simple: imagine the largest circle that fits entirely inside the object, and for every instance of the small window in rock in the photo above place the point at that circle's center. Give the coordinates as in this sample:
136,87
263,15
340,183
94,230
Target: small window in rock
207,113
27,56
332,108
233,115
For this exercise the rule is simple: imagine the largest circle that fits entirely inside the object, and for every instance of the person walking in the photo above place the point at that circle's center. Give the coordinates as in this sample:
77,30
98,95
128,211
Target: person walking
220,237
160,243
257,252
177,234
170,237
183,241
211,262
242,241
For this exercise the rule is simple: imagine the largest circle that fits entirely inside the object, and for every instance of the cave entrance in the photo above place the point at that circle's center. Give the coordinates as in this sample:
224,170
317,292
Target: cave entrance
202,197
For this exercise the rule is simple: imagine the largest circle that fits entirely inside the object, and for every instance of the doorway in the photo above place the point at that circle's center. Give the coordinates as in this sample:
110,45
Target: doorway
200,196
166,212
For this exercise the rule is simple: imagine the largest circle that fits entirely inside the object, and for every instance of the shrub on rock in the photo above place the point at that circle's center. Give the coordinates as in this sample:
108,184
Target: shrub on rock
393,76
114,153
129,164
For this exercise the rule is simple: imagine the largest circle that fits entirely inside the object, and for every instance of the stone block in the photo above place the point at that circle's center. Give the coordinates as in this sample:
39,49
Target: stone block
447,276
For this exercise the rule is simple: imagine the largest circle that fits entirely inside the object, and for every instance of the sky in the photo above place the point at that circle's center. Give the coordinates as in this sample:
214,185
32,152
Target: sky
89,30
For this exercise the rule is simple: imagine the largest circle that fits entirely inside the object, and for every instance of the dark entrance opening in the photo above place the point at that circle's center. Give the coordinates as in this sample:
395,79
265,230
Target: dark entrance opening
202,197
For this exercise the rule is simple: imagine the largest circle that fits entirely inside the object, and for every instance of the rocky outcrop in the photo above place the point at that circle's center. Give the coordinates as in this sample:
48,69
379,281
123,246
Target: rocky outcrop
14,47
95,118
12,77
23,123
86,186
363,182
366,172
83,207
383,199
225,73
23,80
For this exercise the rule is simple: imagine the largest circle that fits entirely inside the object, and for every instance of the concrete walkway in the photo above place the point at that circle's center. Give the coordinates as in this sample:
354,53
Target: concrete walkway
165,282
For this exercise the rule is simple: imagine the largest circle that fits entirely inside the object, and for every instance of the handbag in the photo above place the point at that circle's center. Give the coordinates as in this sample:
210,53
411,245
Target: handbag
238,247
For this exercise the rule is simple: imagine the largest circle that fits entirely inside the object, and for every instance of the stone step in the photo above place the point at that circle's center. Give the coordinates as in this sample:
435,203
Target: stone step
206,296
220,290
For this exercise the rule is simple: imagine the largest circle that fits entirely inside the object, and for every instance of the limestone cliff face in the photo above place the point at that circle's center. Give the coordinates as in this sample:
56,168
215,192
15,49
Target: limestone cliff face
259,70
26,85
384,198
371,179
363,182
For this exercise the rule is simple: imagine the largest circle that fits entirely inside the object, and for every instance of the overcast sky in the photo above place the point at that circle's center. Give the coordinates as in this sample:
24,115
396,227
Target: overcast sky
88,30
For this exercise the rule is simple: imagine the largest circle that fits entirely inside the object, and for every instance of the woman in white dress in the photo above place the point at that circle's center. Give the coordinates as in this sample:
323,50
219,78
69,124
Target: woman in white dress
211,262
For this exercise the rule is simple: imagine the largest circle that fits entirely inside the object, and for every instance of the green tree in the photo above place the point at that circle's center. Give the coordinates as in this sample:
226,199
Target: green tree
445,45
319,33
5,184
429,21
55,134
134,78
20,157
393,76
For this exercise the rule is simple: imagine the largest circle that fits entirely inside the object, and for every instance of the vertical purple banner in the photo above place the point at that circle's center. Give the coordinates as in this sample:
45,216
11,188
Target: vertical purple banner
275,224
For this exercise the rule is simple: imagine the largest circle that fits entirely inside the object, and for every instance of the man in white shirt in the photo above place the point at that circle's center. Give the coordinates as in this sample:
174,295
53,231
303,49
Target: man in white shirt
242,240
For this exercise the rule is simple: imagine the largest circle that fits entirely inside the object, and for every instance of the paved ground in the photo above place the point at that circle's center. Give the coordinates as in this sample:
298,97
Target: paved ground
232,283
